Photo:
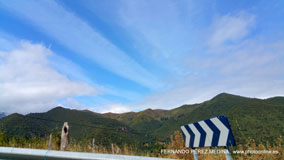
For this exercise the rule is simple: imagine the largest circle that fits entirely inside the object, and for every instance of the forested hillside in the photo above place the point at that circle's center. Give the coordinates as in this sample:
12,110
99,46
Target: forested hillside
262,120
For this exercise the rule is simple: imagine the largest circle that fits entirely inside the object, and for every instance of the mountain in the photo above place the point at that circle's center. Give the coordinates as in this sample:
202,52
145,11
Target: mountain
145,121
82,124
260,119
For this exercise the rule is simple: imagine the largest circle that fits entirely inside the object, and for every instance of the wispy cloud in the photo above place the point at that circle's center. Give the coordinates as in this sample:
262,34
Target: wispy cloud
74,33
73,103
231,28
165,35
162,33
202,58
113,108
250,66
193,50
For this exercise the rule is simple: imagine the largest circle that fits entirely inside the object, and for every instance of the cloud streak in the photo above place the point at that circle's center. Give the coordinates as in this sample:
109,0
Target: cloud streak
250,66
231,28
194,50
77,35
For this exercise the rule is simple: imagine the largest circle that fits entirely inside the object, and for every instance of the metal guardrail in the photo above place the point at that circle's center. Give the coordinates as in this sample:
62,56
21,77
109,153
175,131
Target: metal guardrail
7,153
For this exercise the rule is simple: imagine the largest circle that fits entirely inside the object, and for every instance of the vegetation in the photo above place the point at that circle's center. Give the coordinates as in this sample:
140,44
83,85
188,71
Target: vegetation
261,120
148,131
177,143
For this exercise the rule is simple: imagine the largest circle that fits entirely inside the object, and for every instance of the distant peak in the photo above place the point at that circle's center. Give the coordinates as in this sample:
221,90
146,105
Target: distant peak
85,110
16,114
224,94
149,110
57,108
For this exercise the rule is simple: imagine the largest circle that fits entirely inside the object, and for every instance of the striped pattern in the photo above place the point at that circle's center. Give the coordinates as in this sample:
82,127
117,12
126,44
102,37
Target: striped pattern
214,132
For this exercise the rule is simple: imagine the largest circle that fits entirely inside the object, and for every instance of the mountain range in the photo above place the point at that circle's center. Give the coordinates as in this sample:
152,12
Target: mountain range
259,119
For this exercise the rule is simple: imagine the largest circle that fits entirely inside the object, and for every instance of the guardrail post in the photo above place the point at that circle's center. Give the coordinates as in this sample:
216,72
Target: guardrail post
94,145
228,154
50,142
195,156
112,148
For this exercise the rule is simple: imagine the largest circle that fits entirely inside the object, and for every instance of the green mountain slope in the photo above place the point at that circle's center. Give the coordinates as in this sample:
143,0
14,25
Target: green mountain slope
249,118
83,125
262,120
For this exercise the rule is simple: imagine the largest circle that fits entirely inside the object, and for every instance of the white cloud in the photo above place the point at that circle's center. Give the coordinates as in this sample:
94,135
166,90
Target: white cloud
73,103
113,108
250,66
231,28
69,30
29,83
241,63
159,31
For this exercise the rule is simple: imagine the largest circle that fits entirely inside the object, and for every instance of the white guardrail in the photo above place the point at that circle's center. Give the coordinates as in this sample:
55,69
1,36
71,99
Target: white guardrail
8,153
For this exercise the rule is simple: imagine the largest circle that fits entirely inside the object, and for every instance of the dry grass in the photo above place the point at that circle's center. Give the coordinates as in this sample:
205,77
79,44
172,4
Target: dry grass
177,142
74,146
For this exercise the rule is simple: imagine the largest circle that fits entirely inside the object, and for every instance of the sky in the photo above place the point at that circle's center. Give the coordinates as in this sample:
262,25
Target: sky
124,55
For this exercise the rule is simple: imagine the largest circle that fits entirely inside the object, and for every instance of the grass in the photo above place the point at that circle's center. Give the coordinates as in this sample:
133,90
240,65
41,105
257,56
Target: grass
176,143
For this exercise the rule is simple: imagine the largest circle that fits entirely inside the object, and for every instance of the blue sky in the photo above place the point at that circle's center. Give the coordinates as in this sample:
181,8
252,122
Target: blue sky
123,55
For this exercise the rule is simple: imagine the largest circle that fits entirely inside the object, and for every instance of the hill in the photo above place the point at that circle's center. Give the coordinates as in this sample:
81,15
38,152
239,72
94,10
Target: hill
83,125
260,119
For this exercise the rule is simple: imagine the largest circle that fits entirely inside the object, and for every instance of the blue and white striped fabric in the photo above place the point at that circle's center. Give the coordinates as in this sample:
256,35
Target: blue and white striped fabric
214,132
